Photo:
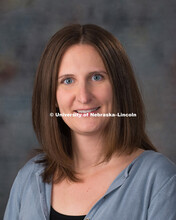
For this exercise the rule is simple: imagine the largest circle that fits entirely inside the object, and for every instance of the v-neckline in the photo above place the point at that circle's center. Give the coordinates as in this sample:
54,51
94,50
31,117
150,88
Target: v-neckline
46,188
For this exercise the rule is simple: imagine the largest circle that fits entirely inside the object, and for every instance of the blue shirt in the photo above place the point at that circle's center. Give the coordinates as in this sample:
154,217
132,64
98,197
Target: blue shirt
145,190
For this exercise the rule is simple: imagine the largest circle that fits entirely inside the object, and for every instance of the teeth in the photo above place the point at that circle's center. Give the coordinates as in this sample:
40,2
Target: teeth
87,111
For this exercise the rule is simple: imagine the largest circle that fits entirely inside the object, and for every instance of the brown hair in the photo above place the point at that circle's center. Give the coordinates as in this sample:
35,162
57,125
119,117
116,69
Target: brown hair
123,133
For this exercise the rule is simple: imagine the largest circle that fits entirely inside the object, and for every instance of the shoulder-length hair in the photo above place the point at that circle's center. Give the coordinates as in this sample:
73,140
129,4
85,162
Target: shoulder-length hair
124,134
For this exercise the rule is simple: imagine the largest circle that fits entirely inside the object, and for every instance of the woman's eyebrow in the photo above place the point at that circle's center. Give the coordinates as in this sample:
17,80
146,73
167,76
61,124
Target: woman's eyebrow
65,75
101,71
92,72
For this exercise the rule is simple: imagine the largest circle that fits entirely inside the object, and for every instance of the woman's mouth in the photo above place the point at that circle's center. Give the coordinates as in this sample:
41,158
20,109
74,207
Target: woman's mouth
84,111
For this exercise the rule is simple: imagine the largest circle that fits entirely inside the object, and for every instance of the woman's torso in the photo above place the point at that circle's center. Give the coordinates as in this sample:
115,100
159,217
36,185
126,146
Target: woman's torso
144,190
78,198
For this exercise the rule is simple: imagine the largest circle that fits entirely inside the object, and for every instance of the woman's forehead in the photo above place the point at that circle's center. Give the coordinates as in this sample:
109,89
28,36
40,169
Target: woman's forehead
81,58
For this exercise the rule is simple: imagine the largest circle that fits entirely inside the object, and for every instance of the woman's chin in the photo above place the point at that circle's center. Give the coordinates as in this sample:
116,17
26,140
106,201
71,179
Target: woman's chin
88,129
87,126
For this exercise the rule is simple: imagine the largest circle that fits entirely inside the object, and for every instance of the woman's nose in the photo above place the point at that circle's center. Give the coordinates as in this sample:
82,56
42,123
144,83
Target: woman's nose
83,95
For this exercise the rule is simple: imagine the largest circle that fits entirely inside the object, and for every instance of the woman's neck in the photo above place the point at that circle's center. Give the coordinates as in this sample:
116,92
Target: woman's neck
87,151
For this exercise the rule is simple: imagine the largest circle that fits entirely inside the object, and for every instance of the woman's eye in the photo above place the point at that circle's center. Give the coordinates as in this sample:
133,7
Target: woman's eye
97,77
68,81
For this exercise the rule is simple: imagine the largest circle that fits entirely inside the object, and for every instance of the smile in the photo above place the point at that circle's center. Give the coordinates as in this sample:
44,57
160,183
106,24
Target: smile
83,111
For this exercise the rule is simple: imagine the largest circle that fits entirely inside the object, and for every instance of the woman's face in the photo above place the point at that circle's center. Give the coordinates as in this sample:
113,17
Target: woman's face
84,88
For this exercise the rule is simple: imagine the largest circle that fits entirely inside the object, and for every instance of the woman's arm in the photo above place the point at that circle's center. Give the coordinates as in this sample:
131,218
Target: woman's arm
13,205
163,205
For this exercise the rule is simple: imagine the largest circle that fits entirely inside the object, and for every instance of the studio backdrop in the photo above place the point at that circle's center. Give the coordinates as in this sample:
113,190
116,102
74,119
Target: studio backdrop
145,28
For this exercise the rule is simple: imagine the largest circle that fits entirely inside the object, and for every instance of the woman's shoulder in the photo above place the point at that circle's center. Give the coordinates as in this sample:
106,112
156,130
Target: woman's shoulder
156,160
156,166
32,166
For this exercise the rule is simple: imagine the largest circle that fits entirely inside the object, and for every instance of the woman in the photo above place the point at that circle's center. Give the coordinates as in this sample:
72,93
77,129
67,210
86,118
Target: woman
91,167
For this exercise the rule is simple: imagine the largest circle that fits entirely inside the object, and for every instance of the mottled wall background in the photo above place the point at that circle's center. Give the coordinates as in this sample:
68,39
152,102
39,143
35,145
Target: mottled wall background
146,28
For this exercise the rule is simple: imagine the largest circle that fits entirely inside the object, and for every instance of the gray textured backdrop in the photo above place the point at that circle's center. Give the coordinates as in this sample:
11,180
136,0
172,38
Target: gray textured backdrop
146,28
